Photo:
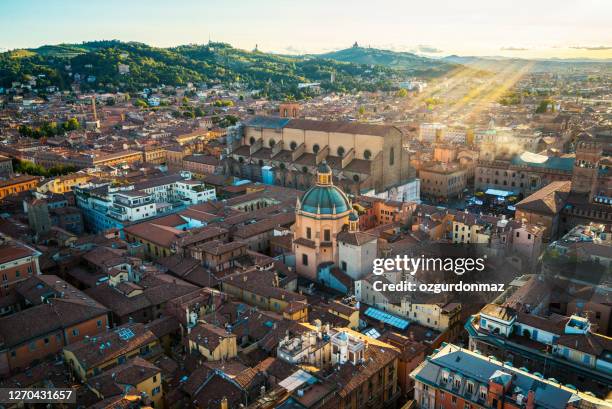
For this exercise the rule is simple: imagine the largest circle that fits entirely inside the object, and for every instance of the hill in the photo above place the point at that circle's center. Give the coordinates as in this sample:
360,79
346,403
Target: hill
404,61
497,63
94,65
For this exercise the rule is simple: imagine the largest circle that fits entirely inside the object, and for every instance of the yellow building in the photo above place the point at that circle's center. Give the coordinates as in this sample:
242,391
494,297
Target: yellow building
63,184
154,154
17,184
117,158
320,216
136,376
212,342
256,288
95,354
190,137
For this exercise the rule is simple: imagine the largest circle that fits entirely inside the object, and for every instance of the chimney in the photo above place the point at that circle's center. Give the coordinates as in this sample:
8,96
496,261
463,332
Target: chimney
224,404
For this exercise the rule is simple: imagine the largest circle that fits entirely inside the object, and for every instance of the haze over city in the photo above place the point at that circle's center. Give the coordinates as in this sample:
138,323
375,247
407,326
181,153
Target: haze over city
523,28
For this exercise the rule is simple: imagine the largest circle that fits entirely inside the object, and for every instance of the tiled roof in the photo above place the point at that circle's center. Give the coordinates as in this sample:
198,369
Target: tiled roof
548,200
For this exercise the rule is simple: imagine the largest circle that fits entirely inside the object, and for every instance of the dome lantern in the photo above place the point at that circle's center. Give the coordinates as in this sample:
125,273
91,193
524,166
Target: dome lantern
324,174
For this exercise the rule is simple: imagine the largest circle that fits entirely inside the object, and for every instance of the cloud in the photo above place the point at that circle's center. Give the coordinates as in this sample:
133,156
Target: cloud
428,49
292,50
592,48
514,49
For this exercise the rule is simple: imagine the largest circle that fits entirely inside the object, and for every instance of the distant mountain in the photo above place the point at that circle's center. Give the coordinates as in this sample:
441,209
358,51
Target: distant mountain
497,63
405,61
95,64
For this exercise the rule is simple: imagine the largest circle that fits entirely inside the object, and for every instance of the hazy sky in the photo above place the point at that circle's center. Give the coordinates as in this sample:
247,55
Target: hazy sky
521,28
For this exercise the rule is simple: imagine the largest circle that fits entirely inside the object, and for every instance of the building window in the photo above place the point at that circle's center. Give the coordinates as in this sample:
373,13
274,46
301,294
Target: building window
156,390
470,388
99,323
32,346
315,148
391,157
75,332
367,154
326,235
293,145
454,400
305,259
308,233
343,266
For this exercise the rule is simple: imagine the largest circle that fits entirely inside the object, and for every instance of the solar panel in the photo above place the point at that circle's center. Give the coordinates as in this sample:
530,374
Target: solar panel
387,318
125,333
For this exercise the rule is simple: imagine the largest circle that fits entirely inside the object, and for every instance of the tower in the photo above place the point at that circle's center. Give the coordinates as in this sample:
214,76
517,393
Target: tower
586,166
320,215
93,108
356,250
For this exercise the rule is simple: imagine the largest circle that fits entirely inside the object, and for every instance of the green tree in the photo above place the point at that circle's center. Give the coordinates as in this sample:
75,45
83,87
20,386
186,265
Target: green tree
71,125
141,103
402,93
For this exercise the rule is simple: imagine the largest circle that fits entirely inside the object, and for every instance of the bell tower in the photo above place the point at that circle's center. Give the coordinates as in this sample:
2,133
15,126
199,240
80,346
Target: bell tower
586,166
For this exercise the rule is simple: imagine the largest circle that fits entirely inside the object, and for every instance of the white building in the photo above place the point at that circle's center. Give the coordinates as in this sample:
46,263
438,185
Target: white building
356,250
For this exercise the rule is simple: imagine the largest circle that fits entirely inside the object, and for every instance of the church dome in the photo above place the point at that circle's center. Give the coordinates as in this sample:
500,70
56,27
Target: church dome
325,200
324,197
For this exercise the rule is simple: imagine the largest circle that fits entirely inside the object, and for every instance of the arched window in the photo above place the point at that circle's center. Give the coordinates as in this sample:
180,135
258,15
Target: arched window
340,151
272,142
252,140
356,178
261,162
391,157
367,154
315,148
293,145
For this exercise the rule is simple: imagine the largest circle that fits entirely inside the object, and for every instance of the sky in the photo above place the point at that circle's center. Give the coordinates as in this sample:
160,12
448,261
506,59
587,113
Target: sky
435,28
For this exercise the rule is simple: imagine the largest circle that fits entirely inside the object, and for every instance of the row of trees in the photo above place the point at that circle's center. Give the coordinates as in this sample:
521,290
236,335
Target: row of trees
30,168
49,129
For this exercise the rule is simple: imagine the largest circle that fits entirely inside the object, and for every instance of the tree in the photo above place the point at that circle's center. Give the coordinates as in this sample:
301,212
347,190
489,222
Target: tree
361,110
402,93
543,107
141,103
71,125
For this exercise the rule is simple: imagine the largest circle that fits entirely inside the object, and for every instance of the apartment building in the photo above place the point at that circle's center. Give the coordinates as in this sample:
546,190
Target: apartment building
458,378
443,181
18,262
52,314
17,184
